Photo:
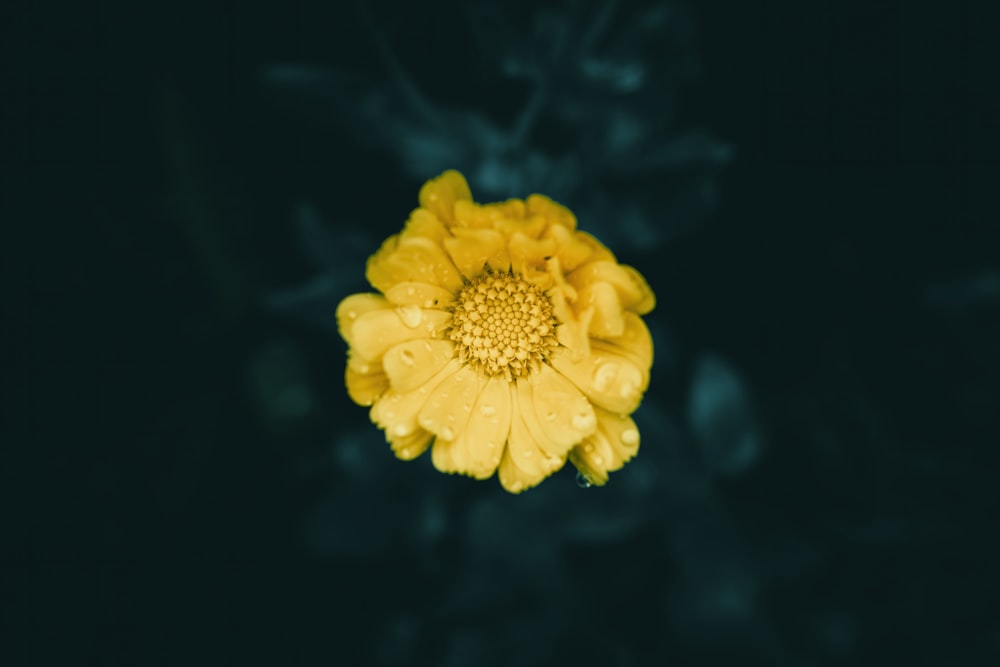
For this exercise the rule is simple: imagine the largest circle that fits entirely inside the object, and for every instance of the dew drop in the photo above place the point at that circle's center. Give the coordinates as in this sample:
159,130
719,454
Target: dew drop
598,460
401,430
604,375
630,436
447,433
411,316
406,356
583,481
583,422
550,416
487,410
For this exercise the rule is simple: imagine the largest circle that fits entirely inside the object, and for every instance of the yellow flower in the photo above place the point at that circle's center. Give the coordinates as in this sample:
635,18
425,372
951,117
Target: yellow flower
502,338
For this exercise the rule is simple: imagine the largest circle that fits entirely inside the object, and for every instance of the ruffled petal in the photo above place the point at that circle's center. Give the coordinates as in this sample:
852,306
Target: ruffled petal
632,289
440,194
410,365
375,332
396,412
412,259
552,211
614,443
608,316
571,251
472,249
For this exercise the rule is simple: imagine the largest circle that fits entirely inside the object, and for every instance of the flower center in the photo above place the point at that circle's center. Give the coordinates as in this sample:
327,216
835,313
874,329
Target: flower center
503,325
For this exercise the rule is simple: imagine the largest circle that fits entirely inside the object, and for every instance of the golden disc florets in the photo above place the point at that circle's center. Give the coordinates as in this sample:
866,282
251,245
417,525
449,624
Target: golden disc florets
502,325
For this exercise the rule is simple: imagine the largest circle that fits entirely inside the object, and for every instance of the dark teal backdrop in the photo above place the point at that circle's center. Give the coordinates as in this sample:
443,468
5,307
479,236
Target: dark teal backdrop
810,188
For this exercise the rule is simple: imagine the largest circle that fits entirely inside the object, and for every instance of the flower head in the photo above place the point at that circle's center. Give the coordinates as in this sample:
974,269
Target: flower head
502,338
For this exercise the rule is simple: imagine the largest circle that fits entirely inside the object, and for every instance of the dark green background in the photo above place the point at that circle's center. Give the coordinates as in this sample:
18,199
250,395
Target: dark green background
161,510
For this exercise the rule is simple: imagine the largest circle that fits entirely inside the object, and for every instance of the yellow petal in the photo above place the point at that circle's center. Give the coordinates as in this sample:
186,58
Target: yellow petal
447,410
528,256
425,224
609,380
365,388
375,332
571,251
414,259
614,443
409,447
608,320
439,195
554,411
554,212
423,295
524,445
471,249
396,412
486,433
632,289
522,465
635,343
410,365
353,307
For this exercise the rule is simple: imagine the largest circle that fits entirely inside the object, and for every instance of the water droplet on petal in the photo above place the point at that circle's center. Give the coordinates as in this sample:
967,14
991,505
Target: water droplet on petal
411,316
447,433
604,375
583,481
630,436
406,356
583,422
487,410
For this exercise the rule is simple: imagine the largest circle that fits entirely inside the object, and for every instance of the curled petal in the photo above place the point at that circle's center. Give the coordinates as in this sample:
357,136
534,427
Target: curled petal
410,446
440,194
550,210
472,249
612,445
608,320
377,331
631,288
570,250
365,388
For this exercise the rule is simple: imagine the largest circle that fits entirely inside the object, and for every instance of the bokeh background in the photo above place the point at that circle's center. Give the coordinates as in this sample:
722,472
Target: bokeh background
810,188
